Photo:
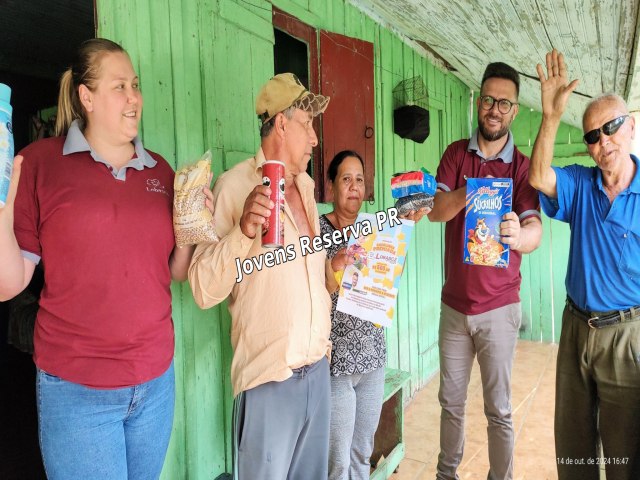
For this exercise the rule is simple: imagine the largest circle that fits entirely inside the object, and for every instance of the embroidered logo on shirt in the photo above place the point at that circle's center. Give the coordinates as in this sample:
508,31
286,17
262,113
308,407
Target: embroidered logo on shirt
154,185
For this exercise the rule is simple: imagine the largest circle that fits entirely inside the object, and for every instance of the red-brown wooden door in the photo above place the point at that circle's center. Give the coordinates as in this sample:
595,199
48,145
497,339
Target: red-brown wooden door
346,72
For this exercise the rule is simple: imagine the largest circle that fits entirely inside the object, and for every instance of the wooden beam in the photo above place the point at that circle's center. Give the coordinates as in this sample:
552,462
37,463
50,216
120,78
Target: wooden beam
632,92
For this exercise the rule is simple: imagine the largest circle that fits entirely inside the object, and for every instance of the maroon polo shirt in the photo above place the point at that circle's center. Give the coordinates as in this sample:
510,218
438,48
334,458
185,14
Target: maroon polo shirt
474,289
105,310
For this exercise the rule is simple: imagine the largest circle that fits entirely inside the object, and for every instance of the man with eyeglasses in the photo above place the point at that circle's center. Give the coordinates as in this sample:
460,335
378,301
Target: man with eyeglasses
598,366
480,311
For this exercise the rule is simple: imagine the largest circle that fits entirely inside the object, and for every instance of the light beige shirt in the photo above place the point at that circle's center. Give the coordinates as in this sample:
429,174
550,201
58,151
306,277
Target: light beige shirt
280,314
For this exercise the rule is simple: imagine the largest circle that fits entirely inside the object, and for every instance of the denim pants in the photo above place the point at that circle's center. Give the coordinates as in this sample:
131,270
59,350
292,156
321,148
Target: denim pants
356,402
104,434
492,337
598,400
281,429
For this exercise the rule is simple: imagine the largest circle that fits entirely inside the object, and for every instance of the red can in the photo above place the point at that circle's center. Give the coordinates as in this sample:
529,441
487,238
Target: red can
273,228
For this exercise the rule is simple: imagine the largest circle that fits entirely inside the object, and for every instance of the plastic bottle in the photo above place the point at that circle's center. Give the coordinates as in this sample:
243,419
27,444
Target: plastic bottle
6,142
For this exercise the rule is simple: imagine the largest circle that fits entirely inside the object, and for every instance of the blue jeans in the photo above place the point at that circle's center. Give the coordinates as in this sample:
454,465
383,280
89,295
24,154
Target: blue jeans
104,434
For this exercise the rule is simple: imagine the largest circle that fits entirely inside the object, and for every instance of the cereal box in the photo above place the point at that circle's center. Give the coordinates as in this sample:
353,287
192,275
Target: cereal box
488,199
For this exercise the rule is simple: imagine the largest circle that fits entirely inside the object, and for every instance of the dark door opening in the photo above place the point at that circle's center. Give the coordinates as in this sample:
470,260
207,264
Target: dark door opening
39,39
296,50
290,55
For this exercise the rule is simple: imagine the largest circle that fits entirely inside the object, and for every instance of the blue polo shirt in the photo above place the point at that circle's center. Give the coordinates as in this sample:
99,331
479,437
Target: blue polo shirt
604,257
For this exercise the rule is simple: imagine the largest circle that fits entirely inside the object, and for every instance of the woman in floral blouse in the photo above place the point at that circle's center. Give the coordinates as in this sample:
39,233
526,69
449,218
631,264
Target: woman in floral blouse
358,354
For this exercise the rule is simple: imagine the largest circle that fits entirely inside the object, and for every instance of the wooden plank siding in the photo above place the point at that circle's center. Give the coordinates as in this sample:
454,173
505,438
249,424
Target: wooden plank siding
543,292
201,64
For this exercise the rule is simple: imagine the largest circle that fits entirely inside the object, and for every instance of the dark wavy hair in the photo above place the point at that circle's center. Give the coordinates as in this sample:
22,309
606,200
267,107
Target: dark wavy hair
501,70
332,173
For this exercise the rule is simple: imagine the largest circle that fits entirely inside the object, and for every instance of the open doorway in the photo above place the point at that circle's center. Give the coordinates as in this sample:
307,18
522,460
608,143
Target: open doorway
291,55
39,38
295,50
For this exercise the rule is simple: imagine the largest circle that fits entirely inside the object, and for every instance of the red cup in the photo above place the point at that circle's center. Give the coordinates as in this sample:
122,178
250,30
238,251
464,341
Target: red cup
273,228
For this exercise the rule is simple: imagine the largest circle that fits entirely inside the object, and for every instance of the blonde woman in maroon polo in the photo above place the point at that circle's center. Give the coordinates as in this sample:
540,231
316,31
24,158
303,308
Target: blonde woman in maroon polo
96,208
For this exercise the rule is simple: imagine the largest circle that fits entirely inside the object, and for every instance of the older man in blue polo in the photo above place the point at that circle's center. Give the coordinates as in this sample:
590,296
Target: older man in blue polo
598,370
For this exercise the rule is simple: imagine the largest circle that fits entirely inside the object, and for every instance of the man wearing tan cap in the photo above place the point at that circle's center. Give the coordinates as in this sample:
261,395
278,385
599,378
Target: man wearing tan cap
280,313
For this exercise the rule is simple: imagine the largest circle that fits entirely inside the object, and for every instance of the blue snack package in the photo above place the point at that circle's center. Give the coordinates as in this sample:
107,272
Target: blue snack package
488,199
410,183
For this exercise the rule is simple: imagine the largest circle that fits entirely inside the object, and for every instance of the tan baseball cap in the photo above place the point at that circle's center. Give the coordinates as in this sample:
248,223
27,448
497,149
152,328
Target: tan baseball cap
283,91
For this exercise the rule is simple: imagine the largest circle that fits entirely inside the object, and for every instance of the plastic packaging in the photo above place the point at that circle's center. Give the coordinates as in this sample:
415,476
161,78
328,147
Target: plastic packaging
192,220
413,203
6,142
409,183
413,190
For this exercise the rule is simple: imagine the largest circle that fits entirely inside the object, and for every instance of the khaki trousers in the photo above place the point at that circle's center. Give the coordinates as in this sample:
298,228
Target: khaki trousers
492,337
598,400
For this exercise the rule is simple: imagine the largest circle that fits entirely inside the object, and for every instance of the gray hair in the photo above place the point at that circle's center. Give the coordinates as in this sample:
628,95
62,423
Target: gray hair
605,97
266,128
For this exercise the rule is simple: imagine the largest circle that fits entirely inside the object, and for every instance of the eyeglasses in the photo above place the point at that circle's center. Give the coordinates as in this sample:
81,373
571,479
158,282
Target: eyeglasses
609,128
504,105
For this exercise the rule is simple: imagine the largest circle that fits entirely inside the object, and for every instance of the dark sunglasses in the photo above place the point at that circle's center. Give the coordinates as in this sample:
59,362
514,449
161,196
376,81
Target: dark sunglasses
609,128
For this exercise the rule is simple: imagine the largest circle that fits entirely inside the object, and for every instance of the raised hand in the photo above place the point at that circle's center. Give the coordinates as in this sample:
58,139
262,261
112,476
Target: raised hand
554,86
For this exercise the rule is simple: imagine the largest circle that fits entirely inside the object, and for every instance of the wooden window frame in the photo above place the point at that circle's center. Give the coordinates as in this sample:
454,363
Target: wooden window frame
309,35
321,81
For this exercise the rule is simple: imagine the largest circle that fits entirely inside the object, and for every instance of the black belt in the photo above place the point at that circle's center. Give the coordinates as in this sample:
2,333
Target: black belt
604,319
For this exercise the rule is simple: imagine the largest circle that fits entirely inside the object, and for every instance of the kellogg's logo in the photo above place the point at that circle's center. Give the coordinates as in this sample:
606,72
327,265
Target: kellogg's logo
154,185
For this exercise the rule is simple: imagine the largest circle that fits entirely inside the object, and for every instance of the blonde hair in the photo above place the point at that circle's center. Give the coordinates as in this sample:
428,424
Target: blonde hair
84,71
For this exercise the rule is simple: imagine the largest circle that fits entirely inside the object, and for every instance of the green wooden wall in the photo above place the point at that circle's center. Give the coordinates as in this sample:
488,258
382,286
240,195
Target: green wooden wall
201,63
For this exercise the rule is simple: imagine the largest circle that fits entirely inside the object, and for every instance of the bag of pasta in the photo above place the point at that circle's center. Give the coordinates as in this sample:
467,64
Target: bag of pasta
192,220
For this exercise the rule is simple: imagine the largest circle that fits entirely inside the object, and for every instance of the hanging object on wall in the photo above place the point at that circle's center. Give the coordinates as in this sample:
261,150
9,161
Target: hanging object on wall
411,109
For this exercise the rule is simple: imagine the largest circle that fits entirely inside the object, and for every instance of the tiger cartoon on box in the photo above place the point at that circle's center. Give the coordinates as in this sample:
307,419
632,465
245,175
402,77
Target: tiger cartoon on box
483,248
481,233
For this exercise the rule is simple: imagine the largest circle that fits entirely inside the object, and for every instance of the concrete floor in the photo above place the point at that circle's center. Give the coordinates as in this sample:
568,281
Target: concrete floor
533,392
